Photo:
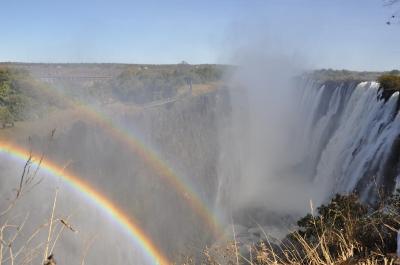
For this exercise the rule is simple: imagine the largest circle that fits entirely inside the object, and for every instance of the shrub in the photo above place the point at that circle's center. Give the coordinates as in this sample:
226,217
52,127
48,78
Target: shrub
345,219
145,84
23,96
344,231
5,116
390,82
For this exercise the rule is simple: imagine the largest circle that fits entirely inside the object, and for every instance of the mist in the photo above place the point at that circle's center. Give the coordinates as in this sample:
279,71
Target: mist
81,228
251,145
259,150
236,148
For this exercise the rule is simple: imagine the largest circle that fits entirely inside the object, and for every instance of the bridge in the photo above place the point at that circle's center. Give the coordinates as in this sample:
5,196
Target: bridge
84,78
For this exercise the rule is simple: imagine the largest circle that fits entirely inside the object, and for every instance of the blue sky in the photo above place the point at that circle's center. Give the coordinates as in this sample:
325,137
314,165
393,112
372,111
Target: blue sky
327,33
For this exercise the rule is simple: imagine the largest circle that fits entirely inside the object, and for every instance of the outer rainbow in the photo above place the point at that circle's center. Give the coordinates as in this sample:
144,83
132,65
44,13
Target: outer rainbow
156,163
100,200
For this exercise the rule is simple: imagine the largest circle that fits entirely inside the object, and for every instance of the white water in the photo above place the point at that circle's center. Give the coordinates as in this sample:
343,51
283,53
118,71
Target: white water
337,138
358,140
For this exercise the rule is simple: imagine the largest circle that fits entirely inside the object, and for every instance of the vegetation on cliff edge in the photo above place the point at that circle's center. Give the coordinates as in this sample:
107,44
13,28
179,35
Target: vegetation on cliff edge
345,231
390,81
21,96
143,84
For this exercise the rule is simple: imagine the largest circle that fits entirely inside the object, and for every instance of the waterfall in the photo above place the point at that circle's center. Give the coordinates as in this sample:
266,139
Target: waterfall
335,137
356,155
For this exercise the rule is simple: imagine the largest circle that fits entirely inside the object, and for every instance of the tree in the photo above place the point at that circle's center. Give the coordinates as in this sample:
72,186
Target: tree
390,81
5,116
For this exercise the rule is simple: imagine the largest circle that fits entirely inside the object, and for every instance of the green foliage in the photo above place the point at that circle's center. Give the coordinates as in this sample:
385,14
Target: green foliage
5,115
395,72
343,75
144,86
21,96
141,84
390,81
207,73
10,101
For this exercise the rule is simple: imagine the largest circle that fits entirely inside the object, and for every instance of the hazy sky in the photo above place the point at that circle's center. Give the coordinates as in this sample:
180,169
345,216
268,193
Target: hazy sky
327,33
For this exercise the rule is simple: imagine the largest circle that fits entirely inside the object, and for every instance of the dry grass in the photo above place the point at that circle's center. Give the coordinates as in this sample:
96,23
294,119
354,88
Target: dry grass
20,245
343,232
346,237
291,254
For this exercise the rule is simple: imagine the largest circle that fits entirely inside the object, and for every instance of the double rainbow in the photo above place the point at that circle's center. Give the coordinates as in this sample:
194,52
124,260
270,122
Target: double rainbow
153,160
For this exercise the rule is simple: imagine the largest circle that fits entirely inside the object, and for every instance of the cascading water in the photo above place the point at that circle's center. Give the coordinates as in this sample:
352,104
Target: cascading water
335,137
356,155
